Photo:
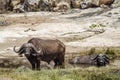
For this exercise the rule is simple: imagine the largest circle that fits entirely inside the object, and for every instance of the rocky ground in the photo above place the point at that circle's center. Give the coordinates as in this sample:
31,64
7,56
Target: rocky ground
80,30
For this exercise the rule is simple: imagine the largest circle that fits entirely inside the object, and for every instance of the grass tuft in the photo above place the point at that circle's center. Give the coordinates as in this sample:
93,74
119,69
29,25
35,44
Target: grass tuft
90,73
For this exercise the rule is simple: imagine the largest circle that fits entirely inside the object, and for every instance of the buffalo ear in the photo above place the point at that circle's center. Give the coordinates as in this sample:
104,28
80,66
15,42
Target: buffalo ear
40,52
35,50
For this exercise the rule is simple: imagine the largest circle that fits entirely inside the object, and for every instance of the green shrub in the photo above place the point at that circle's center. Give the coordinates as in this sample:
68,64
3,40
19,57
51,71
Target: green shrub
96,25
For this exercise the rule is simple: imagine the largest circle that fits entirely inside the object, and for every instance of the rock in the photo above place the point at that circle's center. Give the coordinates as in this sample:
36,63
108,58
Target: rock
29,29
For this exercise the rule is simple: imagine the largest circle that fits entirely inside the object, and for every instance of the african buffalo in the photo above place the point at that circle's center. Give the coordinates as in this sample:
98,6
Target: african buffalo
94,59
37,50
101,60
83,59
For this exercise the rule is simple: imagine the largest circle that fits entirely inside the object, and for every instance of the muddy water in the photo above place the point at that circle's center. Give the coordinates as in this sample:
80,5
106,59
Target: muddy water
16,62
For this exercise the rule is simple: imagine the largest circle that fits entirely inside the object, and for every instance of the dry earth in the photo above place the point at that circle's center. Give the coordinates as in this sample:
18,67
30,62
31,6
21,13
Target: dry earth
75,28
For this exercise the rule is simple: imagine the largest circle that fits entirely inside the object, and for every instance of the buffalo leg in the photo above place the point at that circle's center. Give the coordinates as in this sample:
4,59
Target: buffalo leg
61,61
32,63
38,65
56,62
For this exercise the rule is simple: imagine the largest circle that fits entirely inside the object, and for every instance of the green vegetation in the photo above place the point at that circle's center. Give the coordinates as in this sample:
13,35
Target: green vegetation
106,50
91,73
96,25
110,51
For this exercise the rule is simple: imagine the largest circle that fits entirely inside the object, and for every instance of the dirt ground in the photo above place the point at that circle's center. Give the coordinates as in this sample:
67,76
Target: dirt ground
80,30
